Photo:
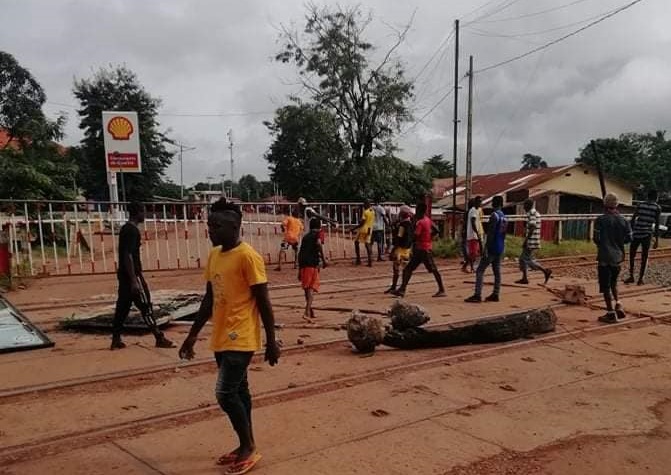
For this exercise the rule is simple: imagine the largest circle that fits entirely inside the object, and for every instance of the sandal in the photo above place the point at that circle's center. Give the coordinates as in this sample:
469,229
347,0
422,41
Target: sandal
229,458
245,466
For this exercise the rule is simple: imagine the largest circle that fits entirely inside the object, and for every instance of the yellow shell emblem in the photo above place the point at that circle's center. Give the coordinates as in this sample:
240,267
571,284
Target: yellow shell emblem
120,128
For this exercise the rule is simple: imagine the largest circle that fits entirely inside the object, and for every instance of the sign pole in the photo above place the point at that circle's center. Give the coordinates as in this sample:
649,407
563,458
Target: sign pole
123,186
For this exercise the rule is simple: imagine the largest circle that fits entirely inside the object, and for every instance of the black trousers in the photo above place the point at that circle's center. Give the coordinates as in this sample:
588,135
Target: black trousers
644,243
125,301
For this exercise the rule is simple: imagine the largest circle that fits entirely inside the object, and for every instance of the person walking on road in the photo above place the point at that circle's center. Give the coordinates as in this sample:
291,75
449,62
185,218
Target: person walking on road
645,223
611,233
236,299
496,237
381,222
401,246
474,234
292,227
133,288
422,252
310,258
365,234
532,242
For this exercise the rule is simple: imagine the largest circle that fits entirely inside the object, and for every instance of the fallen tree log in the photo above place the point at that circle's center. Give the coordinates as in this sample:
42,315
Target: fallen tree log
488,330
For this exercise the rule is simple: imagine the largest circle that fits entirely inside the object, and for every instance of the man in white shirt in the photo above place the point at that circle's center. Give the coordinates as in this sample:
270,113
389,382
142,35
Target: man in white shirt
532,242
474,233
379,224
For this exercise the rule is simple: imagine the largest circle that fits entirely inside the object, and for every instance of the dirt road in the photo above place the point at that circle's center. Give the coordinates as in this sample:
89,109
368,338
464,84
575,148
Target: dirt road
585,399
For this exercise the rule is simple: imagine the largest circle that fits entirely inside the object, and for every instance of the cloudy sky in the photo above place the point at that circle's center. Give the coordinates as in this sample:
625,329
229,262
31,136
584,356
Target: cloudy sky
211,64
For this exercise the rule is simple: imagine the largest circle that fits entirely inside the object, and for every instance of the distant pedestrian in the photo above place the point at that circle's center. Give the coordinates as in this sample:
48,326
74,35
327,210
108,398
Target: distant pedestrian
422,252
611,233
645,223
364,233
133,288
310,258
494,249
532,242
401,246
308,212
381,222
292,227
474,233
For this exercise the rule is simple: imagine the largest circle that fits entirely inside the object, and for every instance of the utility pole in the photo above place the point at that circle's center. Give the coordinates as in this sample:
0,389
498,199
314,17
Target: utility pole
469,136
182,148
456,123
230,147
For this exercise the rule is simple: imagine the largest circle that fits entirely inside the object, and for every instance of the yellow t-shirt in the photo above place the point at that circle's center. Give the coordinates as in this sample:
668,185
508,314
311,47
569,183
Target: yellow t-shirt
367,220
235,316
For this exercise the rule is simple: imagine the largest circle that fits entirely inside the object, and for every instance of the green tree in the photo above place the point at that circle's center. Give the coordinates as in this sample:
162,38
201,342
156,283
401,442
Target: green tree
641,160
393,179
168,189
532,162
437,167
336,65
21,101
118,88
250,188
306,153
32,165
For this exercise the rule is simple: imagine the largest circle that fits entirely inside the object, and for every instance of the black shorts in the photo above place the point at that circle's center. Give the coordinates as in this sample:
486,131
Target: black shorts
378,236
285,246
420,256
608,278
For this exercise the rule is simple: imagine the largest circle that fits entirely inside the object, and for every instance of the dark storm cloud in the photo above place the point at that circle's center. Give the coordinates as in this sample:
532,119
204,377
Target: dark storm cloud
213,57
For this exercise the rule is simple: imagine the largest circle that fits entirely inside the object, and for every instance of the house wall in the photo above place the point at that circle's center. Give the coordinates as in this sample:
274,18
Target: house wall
582,181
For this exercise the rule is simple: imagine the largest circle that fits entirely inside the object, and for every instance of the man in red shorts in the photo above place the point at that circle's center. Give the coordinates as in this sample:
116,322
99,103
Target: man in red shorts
310,256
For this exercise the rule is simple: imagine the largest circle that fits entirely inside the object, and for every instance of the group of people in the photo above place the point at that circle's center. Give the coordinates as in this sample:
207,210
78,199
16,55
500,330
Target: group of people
237,302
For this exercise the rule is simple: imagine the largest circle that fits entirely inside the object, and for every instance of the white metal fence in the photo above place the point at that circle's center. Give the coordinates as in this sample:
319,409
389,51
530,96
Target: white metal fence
66,238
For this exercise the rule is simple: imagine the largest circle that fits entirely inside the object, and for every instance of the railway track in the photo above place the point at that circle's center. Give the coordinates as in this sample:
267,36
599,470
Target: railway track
105,433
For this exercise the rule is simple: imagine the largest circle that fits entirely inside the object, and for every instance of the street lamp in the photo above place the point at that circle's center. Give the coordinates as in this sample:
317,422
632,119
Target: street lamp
182,148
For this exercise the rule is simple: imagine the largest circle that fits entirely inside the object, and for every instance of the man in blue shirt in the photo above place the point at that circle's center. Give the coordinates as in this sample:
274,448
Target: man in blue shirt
496,236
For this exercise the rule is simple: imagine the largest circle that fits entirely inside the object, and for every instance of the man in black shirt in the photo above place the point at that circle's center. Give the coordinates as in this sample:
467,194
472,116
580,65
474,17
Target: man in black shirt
401,245
133,288
310,256
611,233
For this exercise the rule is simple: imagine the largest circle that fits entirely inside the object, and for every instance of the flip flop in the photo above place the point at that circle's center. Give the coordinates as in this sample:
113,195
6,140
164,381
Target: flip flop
245,466
228,459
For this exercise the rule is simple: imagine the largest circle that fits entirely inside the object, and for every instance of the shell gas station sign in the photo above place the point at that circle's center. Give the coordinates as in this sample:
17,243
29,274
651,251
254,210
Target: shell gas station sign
122,142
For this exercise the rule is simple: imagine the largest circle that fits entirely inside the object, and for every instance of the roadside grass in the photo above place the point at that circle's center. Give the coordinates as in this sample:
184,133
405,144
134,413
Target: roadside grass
447,248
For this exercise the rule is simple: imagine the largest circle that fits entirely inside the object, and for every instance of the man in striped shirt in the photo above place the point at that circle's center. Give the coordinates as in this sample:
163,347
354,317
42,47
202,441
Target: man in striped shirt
532,242
646,217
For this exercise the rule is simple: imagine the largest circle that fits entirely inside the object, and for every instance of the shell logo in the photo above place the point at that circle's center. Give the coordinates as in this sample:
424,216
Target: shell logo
120,128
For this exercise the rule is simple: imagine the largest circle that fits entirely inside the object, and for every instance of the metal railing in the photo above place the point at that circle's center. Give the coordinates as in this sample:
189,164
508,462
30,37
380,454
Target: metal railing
72,237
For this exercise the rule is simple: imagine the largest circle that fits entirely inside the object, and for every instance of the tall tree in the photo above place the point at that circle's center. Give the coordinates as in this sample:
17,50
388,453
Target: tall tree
32,165
250,188
533,162
21,101
437,167
306,151
118,88
638,159
335,63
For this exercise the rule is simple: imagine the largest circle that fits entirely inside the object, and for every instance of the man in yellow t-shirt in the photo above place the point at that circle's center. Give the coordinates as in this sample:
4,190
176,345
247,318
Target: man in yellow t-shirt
365,233
236,299
292,227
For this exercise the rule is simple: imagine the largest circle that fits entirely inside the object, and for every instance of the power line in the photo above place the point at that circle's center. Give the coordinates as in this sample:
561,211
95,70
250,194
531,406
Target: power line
491,34
558,40
418,121
484,5
542,12
502,6
442,45
168,114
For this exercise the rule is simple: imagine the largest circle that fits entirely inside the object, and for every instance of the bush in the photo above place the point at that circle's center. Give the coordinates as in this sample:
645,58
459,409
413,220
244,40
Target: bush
550,249
446,248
